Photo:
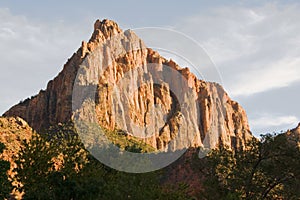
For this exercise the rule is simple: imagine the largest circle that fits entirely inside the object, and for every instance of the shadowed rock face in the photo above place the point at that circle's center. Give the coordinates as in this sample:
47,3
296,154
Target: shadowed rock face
293,135
120,83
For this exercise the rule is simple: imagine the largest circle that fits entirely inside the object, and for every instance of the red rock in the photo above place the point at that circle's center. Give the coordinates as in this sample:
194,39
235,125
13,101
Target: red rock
148,87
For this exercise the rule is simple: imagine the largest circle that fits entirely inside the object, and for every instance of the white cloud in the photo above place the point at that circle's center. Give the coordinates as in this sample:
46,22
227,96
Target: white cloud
7,33
277,75
256,49
265,122
32,53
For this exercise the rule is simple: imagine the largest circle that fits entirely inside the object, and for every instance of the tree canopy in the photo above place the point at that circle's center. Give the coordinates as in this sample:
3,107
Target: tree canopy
266,169
5,183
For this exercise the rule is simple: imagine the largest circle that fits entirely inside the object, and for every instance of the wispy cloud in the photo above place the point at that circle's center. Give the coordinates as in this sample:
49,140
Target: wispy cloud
32,53
265,122
278,74
256,49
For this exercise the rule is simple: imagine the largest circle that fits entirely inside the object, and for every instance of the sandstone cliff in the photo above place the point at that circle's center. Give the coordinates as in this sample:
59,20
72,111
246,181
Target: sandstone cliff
131,87
293,135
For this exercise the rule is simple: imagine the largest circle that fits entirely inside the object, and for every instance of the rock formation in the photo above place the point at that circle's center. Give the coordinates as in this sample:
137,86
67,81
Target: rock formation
293,135
115,80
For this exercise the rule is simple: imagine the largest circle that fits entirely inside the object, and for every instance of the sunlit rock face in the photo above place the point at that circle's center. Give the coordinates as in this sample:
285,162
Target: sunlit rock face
119,83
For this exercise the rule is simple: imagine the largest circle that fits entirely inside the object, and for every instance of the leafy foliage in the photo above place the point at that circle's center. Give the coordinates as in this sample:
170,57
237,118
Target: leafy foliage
55,168
5,184
132,144
266,169
55,165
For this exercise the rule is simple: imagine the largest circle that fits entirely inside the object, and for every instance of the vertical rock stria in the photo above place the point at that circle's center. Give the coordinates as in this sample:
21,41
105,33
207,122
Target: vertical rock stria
136,90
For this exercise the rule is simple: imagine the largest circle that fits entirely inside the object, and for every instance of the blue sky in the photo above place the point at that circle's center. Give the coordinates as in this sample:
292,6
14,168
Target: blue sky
254,44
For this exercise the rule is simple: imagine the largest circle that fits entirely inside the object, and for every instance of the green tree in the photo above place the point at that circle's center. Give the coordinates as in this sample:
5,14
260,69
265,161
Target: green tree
5,184
146,186
266,169
56,166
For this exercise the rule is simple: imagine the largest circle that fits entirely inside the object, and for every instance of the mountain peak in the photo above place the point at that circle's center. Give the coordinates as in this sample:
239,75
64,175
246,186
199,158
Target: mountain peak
139,92
105,29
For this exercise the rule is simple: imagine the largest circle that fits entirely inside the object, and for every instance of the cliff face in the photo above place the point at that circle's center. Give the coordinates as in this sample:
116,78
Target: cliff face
133,88
293,135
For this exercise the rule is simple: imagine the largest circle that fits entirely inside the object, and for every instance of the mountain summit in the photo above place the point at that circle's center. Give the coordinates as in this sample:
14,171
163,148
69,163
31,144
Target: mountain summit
138,91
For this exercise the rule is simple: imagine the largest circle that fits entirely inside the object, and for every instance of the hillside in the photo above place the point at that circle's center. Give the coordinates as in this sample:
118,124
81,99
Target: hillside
14,132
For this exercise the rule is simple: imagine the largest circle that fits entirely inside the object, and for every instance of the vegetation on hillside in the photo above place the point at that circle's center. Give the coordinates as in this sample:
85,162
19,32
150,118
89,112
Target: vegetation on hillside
266,169
5,184
128,143
56,165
